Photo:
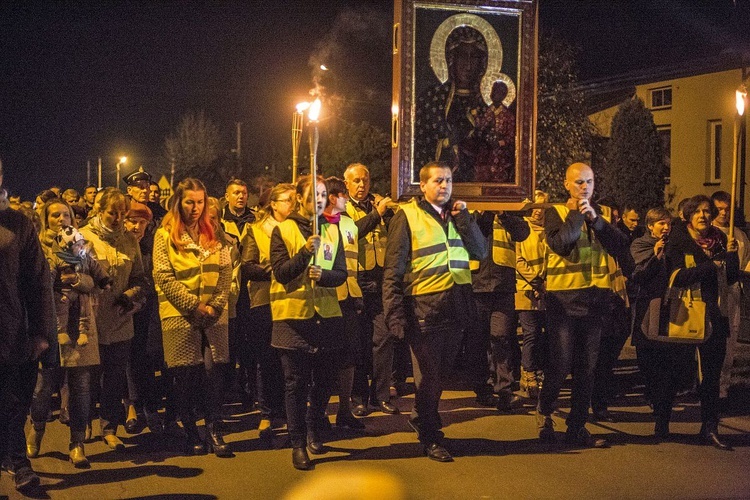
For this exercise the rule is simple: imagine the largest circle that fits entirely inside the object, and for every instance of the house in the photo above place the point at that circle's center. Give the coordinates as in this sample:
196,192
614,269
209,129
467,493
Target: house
694,110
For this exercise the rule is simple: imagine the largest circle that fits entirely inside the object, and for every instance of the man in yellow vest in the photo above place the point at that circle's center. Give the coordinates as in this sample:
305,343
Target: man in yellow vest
580,241
371,215
235,220
427,290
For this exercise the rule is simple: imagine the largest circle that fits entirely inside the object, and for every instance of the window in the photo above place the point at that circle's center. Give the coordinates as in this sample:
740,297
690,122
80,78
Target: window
665,136
714,151
661,98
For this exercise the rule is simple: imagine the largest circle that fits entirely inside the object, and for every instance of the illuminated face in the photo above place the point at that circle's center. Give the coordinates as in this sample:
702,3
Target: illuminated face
338,201
58,216
358,183
283,206
701,219
113,215
154,193
236,196
139,191
438,188
579,182
660,228
213,216
631,219
192,205
89,195
137,226
307,202
71,197
722,219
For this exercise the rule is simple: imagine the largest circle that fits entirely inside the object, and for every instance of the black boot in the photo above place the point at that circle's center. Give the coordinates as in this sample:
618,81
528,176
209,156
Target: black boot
215,441
661,429
194,441
300,460
314,444
710,434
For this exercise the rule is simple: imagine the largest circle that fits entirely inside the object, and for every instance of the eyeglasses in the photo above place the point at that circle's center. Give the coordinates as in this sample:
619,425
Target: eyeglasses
285,200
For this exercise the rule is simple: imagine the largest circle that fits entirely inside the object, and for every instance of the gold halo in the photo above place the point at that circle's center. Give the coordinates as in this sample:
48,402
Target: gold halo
494,53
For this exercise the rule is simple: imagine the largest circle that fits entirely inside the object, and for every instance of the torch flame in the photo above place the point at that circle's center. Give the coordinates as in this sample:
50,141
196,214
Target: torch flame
394,109
302,107
314,112
740,95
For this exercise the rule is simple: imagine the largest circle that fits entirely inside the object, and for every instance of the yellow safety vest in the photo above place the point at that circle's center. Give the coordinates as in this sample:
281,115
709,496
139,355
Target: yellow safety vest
503,248
260,291
299,299
230,227
349,233
532,251
588,265
438,261
372,245
200,277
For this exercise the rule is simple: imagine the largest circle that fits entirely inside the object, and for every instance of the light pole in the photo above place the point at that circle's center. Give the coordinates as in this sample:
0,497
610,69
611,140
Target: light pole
122,161
740,96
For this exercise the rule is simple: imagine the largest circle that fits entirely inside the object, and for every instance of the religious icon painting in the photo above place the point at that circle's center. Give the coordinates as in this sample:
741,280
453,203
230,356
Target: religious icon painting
464,94
327,252
350,237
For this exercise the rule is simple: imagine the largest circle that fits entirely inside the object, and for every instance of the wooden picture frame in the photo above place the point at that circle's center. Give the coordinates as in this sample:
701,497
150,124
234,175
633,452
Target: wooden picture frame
453,63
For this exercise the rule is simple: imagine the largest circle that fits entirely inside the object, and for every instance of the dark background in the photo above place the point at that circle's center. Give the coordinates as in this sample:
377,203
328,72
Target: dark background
81,80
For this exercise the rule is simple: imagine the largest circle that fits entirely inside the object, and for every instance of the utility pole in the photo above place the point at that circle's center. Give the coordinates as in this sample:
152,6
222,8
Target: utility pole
88,173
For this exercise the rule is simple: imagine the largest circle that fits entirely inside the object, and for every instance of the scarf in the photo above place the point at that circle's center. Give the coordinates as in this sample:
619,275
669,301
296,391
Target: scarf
106,234
332,218
711,243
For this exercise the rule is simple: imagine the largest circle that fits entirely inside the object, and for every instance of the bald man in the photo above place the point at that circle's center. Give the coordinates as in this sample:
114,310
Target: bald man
581,239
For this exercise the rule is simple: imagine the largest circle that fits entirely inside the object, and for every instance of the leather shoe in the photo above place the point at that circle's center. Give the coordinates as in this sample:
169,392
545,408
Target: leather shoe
661,430
508,402
711,436
387,407
359,410
300,460
436,452
131,426
34,442
113,442
78,457
314,444
346,419
25,479
486,399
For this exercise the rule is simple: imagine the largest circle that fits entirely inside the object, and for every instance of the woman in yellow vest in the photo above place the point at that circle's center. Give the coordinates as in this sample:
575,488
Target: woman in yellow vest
307,321
256,267
193,275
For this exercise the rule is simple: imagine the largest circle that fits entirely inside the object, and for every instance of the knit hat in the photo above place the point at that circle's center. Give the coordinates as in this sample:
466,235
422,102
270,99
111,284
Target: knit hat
139,211
67,237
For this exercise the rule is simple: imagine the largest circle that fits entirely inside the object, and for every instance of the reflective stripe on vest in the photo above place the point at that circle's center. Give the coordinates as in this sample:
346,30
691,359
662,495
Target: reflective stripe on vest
298,299
260,291
586,266
532,251
199,277
438,261
348,230
371,249
503,248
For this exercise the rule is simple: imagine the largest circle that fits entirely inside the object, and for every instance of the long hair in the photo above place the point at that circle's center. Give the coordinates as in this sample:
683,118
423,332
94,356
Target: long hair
45,213
174,224
275,192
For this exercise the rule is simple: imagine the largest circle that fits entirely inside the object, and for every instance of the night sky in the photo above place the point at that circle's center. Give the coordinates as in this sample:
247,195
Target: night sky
79,80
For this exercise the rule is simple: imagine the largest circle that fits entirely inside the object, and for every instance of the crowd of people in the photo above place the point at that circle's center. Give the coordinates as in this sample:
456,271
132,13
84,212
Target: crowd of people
147,316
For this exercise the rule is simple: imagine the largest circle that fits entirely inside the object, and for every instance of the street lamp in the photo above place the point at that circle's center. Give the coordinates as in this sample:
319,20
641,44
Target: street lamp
740,95
122,161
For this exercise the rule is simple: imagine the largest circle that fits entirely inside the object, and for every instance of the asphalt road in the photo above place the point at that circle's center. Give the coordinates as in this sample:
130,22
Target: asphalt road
496,456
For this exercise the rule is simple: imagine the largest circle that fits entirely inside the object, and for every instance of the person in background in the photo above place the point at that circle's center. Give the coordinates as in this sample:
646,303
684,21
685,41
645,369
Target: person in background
118,253
722,201
307,320
89,193
256,267
193,275
71,196
154,193
27,317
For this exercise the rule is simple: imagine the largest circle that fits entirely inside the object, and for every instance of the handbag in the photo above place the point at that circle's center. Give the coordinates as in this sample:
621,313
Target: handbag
678,317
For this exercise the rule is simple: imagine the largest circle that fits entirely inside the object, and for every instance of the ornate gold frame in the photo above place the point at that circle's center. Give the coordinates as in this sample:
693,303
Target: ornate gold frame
522,86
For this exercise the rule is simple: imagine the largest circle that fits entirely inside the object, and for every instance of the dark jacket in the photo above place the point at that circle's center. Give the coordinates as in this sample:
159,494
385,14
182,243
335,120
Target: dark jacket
651,278
561,239
26,306
434,311
705,270
490,277
317,332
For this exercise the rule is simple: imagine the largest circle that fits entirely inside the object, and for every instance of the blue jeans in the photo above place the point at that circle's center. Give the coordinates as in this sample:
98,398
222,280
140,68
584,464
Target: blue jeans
79,405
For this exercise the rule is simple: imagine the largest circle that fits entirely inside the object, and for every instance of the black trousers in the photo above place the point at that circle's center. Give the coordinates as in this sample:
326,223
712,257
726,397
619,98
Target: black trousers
612,342
303,369
378,349
144,390
573,348
270,381
433,354
114,384
477,344
16,389
505,352
534,349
